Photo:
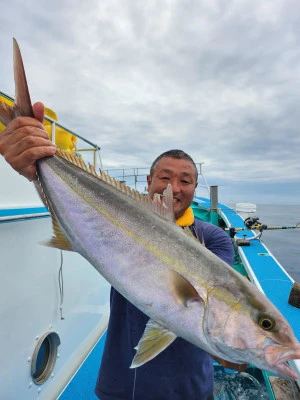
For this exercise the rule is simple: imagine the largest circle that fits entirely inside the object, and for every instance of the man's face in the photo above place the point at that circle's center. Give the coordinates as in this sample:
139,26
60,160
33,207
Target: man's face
180,174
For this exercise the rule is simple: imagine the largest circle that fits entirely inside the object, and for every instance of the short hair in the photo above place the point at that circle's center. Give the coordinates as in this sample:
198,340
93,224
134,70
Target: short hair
177,154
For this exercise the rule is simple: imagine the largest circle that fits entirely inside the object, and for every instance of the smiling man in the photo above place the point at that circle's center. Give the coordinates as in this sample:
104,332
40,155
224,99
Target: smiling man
177,168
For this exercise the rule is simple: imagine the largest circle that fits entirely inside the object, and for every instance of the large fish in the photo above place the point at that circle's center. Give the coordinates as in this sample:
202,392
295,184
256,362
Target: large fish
135,244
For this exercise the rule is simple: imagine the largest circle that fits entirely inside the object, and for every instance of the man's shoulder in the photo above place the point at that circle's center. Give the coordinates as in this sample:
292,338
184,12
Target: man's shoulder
215,239
207,227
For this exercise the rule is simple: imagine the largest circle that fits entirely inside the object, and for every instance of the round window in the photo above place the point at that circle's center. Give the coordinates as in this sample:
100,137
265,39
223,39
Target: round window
44,357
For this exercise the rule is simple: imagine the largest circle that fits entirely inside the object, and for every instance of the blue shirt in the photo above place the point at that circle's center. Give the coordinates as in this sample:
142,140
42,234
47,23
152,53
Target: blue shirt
181,372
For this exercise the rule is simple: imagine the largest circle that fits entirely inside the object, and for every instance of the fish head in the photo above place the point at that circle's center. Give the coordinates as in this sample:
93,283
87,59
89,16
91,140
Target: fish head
245,327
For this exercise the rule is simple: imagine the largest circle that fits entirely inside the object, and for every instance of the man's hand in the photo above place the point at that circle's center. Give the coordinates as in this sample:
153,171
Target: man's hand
230,365
24,141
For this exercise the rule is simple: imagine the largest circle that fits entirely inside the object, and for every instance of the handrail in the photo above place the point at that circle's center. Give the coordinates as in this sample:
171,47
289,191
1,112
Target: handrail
95,147
71,132
137,173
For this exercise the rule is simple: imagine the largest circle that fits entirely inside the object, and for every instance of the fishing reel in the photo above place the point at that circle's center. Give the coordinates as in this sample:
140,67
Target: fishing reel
253,223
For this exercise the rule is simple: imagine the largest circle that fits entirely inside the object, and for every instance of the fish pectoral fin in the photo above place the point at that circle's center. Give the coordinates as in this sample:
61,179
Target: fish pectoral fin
183,290
155,339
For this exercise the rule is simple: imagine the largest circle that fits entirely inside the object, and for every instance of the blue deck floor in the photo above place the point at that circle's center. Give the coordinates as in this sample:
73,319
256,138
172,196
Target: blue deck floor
83,384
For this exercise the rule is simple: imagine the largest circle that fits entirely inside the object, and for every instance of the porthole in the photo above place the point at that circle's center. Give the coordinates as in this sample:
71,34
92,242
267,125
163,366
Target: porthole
44,357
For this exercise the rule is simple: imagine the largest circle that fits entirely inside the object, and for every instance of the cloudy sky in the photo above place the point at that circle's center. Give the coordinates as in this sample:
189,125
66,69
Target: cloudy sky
219,79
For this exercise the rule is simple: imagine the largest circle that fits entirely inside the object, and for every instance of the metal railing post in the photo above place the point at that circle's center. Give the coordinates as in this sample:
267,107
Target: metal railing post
214,217
214,198
53,131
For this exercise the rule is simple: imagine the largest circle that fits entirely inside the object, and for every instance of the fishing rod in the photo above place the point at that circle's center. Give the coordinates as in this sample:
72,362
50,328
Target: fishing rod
258,227
252,223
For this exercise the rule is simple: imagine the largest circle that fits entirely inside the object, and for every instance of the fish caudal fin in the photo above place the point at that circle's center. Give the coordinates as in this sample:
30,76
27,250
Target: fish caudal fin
155,339
23,105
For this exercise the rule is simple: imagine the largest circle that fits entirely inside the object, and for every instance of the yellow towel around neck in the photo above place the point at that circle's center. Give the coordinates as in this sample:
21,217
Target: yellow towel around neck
186,219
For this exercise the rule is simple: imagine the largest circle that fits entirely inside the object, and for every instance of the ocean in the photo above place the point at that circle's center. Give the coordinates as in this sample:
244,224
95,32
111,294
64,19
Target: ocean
284,244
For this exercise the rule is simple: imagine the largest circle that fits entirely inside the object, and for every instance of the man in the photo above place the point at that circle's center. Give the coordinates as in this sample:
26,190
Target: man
182,371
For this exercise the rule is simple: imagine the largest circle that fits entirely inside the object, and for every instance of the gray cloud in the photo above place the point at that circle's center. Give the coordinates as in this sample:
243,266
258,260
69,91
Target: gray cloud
217,79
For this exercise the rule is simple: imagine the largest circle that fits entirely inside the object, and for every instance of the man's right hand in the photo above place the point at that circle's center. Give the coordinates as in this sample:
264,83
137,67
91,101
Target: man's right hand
24,141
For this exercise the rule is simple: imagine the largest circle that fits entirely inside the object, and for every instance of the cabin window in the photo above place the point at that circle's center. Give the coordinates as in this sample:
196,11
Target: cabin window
44,357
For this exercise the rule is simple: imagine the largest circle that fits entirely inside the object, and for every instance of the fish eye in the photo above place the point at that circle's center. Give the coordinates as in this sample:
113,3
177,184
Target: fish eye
266,322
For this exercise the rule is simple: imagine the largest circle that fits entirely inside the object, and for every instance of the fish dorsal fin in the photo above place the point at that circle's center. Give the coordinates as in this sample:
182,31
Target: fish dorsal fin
183,290
167,202
155,339
162,205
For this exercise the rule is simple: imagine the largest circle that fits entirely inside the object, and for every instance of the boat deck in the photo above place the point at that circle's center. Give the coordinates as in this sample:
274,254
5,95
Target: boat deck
83,384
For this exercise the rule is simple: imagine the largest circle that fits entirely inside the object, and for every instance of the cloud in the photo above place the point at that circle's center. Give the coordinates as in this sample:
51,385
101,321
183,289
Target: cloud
218,79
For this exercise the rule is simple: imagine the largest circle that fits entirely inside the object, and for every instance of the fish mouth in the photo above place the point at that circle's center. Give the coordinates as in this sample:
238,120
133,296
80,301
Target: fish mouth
277,357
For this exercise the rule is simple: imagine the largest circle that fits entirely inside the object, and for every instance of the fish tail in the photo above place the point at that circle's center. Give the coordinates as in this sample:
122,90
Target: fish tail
22,106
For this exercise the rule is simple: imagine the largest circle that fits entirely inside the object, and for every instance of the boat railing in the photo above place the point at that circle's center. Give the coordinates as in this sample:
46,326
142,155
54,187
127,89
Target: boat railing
87,145
94,148
137,177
